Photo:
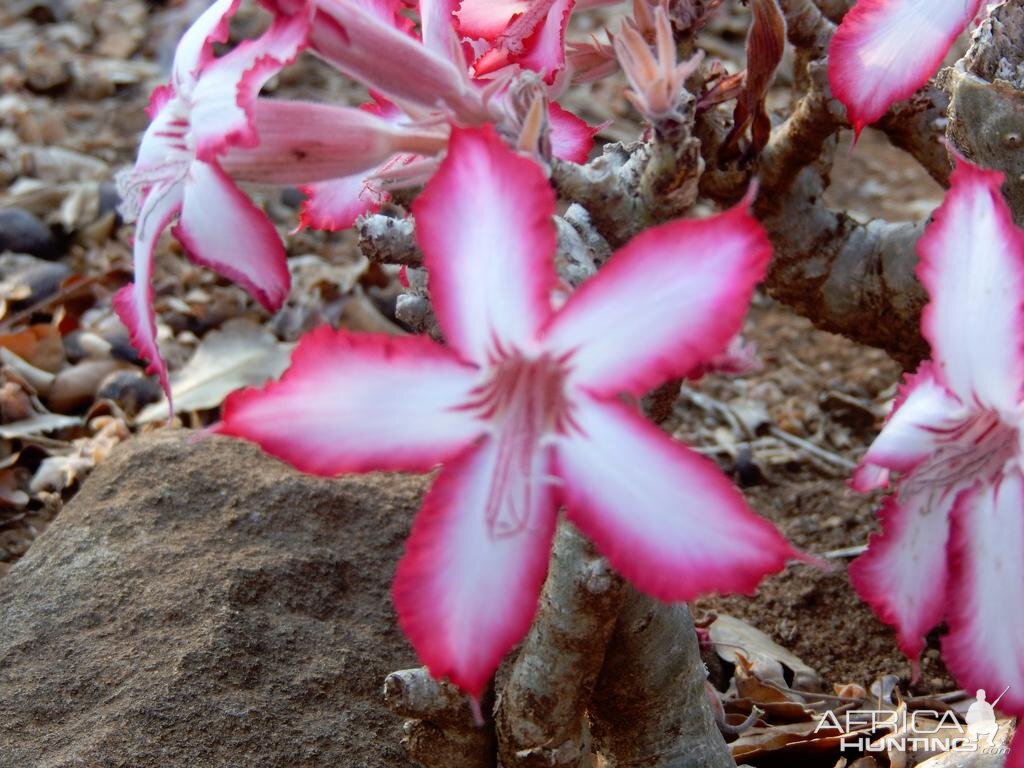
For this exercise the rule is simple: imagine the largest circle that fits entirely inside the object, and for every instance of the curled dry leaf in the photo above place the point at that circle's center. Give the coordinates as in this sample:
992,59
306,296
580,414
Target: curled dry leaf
765,46
240,354
730,635
59,472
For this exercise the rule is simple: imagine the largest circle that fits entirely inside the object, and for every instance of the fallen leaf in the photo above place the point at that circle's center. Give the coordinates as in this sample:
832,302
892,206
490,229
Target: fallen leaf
39,345
38,424
56,473
730,635
240,354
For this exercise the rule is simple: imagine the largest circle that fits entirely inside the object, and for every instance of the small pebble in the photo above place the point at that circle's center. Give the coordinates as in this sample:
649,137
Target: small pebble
292,197
75,388
23,232
110,200
121,348
131,390
42,279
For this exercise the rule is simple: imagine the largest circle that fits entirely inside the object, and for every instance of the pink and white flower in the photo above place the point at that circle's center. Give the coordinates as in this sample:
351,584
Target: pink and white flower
524,408
426,81
952,541
205,109
208,129
884,50
528,33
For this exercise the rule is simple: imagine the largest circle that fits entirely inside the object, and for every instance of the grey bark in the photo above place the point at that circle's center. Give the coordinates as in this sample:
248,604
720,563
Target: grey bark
650,709
542,710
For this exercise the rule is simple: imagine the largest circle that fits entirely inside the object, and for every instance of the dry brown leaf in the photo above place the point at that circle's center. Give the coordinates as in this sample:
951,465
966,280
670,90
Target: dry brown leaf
749,685
58,472
240,354
730,635
776,712
38,345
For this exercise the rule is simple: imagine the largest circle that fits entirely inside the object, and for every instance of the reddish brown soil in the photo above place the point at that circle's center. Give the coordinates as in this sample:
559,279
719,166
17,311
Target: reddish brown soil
814,612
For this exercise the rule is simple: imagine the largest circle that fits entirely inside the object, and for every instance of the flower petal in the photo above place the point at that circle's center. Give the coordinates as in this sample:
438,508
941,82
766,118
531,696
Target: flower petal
924,413
540,48
360,402
335,205
669,300
437,27
904,573
352,39
224,97
884,50
571,138
134,303
485,225
465,595
221,229
1016,757
666,517
195,49
985,644
488,19
972,265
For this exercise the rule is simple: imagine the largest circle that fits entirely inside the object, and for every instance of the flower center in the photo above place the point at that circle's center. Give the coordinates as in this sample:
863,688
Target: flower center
524,402
975,450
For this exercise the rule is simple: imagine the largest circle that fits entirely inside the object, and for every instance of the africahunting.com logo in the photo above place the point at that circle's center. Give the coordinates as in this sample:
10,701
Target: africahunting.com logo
900,730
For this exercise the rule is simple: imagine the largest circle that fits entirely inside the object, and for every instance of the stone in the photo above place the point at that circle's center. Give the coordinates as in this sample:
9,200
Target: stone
131,390
40,281
23,232
200,604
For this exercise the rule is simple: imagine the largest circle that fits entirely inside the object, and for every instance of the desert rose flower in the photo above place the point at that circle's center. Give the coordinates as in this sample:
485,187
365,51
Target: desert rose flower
530,33
209,129
884,50
524,409
426,81
952,541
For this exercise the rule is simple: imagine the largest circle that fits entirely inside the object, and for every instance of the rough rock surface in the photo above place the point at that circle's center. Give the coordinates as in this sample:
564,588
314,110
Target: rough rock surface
201,605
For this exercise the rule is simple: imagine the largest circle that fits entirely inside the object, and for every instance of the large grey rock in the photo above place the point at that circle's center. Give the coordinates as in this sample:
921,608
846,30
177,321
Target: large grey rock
201,605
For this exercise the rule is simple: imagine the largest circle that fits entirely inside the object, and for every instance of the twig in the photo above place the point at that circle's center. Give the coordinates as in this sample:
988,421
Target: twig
811,448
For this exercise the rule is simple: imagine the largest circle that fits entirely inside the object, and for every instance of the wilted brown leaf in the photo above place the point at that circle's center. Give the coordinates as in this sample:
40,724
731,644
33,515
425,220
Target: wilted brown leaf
730,635
39,345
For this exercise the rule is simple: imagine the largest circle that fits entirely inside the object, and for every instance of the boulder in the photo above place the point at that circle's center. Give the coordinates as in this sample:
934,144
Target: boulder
199,604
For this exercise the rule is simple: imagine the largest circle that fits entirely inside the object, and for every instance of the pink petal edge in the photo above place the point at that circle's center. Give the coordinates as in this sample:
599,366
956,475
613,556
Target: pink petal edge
359,403
464,596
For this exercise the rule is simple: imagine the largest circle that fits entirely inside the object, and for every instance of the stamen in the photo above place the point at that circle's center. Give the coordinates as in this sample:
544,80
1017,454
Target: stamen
977,449
525,402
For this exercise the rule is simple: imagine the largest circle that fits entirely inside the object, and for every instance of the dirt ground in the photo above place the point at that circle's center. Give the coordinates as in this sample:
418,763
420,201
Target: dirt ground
821,388
788,432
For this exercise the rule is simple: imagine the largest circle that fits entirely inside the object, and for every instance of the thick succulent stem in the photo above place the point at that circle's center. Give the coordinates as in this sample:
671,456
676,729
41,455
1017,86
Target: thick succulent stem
986,110
542,720
650,708
440,731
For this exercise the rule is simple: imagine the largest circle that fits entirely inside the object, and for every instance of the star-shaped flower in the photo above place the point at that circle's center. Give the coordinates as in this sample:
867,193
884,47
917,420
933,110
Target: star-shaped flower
524,408
952,541
209,129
